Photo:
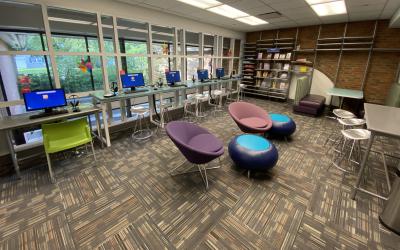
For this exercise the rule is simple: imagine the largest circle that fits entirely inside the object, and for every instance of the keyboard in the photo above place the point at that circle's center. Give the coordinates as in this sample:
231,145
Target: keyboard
135,91
44,114
178,85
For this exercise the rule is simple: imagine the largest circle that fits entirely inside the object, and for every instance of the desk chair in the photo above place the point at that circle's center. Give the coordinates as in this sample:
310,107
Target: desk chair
61,136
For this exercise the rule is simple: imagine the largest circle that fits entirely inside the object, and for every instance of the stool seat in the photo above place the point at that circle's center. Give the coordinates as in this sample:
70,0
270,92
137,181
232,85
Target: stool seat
201,97
217,92
352,122
139,109
356,134
343,114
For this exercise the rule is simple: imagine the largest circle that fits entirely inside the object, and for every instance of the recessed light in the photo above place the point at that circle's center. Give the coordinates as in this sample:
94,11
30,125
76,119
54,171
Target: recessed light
252,20
203,4
330,8
228,11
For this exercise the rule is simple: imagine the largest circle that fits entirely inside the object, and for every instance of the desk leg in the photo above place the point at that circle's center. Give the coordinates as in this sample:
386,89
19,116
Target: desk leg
177,99
105,122
362,166
13,153
161,111
98,126
341,98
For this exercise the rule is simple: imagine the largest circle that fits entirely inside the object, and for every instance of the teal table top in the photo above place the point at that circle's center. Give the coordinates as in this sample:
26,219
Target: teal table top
349,93
253,142
99,95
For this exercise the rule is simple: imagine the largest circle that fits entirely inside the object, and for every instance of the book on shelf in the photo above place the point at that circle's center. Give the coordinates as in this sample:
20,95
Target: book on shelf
277,66
269,56
282,85
286,66
259,55
266,66
276,56
288,55
282,56
258,73
265,84
283,75
265,74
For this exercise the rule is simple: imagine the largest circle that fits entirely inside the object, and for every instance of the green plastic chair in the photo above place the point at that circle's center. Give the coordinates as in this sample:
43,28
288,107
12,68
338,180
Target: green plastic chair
61,136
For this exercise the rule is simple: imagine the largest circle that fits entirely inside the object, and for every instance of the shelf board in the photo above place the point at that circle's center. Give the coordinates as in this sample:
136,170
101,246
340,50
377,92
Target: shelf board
272,78
265,59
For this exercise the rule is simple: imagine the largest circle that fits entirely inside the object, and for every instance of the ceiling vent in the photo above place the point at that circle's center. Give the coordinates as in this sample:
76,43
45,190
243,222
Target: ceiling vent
269,15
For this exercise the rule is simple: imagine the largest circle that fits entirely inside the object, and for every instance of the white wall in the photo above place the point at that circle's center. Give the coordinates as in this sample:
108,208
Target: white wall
320,84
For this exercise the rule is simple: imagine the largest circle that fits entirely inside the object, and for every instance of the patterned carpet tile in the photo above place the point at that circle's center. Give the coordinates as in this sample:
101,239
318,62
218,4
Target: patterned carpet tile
53,233
141,234
272,216
129,200
313,234
230,233
20,214
186,221
87,185
95,221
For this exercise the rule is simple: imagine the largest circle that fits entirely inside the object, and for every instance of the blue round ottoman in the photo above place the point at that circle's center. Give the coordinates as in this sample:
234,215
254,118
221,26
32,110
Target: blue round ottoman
252,152
282,125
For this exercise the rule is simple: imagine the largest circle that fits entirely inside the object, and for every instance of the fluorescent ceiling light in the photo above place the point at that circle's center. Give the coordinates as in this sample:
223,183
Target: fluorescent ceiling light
228,11
311,2
330,8
65,20
203,4
252,20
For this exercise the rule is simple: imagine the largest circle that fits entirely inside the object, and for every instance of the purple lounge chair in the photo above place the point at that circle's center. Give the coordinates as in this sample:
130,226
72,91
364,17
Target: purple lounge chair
195,143
250,118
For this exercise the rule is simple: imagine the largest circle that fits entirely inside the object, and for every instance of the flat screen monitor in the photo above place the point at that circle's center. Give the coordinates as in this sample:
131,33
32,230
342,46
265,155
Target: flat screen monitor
202,74
173,77
45,99
132,80
220,72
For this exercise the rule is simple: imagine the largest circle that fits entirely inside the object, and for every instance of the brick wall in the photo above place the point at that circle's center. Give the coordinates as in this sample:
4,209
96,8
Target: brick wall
383,65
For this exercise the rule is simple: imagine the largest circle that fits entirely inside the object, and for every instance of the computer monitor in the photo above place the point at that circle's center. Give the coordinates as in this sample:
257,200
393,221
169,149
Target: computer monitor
45,99
132,80
173,77
220,72
202,74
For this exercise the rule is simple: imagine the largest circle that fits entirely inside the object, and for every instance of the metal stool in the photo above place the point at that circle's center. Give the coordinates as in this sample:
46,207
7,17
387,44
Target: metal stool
354,136
240,95
339,115
164,112
140,133
188,115
217,96
201,101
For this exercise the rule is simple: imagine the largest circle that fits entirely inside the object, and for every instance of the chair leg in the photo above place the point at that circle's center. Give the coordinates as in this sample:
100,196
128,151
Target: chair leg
52,178
94,153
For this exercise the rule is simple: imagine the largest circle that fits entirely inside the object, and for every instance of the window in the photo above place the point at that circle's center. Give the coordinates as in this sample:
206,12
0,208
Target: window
192,63
208,53
76,79
137,65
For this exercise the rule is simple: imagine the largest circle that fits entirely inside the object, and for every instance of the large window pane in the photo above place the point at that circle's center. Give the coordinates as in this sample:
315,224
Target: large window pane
132,36
112,69
24,73
237,48
226,47
137,65
135,47
70,29
163,38
26,32
192,64
161,65
75,79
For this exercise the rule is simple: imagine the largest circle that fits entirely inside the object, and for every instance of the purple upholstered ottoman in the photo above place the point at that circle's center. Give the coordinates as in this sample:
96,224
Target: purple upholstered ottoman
311,105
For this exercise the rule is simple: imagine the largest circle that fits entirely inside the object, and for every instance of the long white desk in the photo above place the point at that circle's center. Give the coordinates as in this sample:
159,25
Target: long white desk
10,123
180,95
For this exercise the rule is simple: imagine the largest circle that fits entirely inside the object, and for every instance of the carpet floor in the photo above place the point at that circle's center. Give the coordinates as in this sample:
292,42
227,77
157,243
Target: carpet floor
128,200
